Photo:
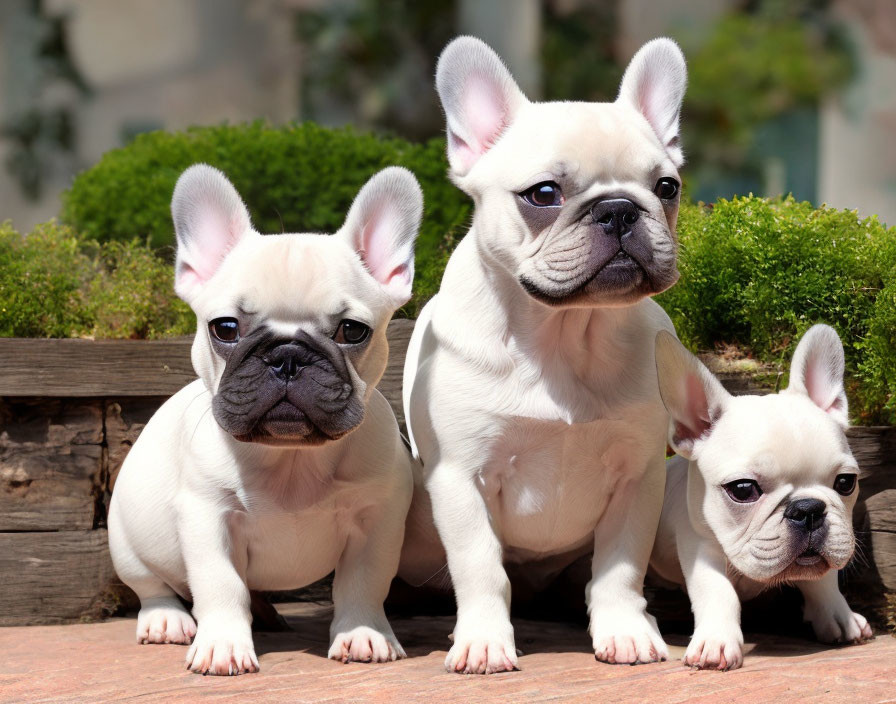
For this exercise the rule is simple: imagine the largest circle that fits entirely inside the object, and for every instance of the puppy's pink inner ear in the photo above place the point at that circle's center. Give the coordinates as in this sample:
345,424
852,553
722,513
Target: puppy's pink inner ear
378,244
653,103
696,422
824,391
485,116
486,112
215,236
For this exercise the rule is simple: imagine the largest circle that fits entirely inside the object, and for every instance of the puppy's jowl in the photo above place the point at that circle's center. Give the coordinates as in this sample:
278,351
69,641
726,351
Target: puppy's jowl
282,462
530,382
760,495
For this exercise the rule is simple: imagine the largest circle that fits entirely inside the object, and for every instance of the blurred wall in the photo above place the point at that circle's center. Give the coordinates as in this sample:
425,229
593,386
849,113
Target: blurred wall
857,144
151,65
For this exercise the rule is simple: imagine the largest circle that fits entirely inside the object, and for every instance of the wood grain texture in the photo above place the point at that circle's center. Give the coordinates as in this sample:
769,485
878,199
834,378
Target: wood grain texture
86,368
883,548
125,419
51,461
53,577
110,368
398,334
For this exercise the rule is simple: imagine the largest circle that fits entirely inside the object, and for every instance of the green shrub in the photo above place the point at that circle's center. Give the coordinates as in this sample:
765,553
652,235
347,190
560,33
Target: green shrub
298,178
42,278
131,294
758,273
54,283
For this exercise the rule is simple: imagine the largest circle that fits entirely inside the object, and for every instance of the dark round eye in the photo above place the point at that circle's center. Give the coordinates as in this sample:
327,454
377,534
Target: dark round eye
666,188
225,329
544,195
845,484
744,491
351,332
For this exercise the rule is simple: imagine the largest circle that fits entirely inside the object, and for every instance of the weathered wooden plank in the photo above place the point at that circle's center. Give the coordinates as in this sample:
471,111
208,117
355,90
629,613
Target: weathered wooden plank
53,577
120,368
50,463
399,334
87,368
125,419
883,546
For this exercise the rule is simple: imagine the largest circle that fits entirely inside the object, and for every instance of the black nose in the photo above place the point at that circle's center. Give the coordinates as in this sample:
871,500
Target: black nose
285,367
615,216
808,513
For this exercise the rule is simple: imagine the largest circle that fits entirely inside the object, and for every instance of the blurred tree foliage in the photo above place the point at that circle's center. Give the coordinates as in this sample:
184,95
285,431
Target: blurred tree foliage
578,52
755,65
43,126
371,63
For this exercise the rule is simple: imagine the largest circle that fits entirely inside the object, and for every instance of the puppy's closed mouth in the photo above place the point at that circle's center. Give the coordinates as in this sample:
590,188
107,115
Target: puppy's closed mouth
809,557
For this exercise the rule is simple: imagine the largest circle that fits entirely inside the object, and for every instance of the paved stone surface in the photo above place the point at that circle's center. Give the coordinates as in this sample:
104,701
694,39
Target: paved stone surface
100,662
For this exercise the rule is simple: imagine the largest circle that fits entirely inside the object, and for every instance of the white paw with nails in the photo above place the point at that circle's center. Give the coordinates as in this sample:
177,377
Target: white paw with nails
162,624
715,649
365,644
222,650
627,638
482,651
838,625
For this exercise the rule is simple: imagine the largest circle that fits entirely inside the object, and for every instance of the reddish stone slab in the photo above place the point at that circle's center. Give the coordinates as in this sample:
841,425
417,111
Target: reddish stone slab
101,662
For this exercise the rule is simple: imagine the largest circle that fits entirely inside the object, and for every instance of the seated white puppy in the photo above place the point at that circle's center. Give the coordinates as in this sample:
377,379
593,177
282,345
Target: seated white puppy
282,462
530,385
760,494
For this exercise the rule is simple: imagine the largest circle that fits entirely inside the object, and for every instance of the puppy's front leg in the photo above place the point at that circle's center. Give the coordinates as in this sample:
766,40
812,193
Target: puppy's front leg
216,556
718,641
831,618
360,631
483,636
621,629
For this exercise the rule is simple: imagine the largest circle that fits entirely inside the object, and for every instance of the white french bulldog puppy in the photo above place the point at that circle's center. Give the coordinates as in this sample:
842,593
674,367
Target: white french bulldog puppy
760,494
530,385
282,462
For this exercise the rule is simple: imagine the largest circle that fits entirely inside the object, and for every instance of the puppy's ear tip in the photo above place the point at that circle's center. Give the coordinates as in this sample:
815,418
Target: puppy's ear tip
463,46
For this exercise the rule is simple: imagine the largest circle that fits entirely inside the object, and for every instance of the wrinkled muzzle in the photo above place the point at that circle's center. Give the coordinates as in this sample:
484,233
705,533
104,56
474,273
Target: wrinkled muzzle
297,391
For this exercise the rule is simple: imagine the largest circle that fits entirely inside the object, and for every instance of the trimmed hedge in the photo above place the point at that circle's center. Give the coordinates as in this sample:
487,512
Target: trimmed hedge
54,283
758,273
296,178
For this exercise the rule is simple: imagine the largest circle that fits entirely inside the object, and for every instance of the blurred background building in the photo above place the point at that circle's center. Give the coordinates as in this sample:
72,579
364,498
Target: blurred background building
785,95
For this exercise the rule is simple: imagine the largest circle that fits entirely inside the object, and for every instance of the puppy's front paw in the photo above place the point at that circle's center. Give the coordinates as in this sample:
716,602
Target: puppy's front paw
719,649
482,655
365,644
165,624
219,650
838,625
626,638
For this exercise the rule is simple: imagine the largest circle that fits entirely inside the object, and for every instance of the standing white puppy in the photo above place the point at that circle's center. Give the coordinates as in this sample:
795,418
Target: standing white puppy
760,495
530,385
282,462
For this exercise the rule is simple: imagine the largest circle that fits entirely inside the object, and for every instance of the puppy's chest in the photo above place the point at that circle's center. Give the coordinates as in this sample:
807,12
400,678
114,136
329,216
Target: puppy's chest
293,540
548,483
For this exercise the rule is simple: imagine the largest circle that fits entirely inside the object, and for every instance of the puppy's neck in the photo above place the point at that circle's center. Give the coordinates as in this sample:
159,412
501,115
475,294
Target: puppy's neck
500,324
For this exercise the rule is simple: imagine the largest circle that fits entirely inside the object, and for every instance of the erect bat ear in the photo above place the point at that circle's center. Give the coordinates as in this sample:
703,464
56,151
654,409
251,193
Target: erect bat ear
817,372
479,97
382,226
209,220
654,84
693,397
